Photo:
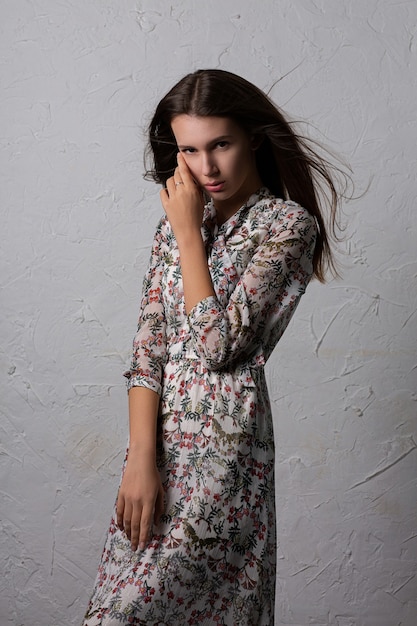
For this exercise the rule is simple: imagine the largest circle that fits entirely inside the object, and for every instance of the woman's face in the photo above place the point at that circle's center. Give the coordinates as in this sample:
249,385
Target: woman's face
220,157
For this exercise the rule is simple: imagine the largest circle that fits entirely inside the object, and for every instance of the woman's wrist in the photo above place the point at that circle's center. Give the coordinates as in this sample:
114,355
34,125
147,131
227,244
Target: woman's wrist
143,453
190,237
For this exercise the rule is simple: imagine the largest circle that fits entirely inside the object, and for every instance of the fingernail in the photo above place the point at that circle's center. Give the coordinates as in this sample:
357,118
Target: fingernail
142,545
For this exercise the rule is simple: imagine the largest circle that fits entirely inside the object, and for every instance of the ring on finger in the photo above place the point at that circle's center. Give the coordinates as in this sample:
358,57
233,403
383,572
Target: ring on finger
179,183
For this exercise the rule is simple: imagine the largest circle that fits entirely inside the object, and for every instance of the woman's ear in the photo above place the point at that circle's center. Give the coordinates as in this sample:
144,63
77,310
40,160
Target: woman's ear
255,141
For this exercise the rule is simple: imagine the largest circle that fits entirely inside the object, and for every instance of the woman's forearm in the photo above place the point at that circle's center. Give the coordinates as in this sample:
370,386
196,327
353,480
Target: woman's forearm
143,415
196,277
183,204
140,499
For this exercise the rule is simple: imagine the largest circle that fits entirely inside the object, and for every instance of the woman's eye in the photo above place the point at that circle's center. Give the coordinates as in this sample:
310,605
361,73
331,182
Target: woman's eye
188,150
222,144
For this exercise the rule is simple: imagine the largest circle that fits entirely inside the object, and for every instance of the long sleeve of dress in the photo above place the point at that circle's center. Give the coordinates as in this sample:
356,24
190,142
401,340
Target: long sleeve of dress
149,344
264,298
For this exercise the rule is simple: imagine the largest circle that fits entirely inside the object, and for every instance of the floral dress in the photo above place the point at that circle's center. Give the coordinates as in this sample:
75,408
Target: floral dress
212,558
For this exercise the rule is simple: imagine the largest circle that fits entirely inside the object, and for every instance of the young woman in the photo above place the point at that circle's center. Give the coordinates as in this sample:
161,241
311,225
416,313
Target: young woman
192,540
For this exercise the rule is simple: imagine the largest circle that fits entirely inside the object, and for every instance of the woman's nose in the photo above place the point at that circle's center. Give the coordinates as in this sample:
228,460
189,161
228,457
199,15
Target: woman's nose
208,166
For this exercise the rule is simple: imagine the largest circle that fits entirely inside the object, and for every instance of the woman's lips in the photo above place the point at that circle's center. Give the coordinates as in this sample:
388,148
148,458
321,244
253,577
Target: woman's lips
214,187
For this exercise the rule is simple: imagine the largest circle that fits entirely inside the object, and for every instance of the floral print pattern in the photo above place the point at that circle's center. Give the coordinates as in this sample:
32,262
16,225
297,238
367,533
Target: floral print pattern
212,558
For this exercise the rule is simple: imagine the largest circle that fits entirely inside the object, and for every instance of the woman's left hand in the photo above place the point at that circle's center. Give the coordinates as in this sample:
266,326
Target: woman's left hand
183,202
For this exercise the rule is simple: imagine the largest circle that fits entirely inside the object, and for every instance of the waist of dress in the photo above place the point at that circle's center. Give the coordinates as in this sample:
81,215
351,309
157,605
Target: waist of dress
183,351
180,349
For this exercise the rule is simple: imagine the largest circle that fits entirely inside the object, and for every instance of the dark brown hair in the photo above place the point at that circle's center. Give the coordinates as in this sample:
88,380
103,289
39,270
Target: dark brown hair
286,162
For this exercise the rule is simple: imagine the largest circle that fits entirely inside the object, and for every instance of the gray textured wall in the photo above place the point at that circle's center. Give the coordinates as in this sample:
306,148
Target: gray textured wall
79,81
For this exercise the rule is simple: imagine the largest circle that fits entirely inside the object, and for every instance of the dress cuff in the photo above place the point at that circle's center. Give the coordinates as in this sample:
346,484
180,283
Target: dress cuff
135,379
207,305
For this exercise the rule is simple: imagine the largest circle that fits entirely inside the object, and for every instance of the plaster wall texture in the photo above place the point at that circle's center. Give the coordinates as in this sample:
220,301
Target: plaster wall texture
79,83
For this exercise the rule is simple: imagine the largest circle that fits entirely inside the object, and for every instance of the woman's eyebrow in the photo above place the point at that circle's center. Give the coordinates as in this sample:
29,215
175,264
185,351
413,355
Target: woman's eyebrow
211,143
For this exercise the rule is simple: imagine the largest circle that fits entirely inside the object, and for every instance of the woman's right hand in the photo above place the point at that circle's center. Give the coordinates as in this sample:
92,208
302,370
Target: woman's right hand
140,501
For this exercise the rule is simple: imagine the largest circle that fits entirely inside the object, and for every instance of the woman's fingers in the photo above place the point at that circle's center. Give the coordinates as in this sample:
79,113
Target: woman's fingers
137,521
120,510
182,176
183,170
126,519
145,527
170,186
139,496
135,527
140,527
